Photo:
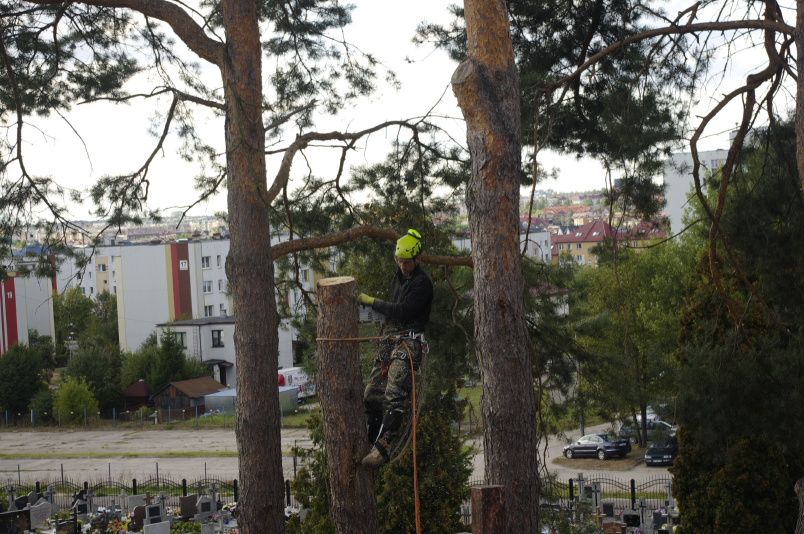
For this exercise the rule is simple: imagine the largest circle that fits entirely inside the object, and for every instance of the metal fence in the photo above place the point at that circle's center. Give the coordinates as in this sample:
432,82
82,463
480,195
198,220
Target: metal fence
608,494
109,493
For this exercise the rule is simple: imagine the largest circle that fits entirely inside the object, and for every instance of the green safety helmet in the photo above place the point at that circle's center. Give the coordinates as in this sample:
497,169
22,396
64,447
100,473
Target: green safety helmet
409,245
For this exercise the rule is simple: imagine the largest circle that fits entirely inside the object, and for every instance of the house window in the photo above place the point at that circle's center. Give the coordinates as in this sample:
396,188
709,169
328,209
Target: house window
91,290
181,339
220,285
217,338
102,267
218,260
205,262
578,245
207,284
223,310
208,311
305,275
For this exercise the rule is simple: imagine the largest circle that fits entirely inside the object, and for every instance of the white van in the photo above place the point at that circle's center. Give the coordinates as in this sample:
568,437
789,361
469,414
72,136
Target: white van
296,377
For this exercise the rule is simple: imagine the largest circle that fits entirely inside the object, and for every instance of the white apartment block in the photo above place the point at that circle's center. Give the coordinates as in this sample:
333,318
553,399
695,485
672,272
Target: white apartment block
537,244
180,285
679,184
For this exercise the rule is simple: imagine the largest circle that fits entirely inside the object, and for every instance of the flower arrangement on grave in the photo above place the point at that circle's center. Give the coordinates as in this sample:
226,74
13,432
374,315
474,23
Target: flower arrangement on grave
116,526
232,509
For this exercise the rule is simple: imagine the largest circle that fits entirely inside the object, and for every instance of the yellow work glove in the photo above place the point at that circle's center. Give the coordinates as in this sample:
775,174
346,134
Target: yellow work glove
365,300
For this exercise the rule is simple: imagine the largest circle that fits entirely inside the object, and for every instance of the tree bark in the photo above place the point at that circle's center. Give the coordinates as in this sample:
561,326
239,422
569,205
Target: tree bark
799,38
252,281
487,88
799,489
340,389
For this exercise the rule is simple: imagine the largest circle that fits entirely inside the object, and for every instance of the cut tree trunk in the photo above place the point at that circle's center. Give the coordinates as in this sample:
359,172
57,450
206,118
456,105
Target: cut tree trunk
250,271
340,391
799,488
487,88
799,37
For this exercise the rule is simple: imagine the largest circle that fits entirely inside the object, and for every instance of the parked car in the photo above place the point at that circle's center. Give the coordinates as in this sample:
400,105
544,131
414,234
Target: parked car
601,446
657,431
663,452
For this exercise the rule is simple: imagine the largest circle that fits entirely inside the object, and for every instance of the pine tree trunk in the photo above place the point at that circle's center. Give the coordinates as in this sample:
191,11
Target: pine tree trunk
799,38
251,276
340,388
487,88
799,489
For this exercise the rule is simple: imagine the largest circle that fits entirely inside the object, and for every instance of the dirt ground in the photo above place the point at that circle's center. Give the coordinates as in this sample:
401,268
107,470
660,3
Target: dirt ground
108,447
106,450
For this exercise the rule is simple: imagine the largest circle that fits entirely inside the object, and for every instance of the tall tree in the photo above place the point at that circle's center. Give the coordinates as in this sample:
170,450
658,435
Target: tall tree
56,53
486,85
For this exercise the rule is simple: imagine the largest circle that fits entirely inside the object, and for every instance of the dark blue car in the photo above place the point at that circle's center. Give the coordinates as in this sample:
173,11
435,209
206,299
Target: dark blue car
662,453
599,446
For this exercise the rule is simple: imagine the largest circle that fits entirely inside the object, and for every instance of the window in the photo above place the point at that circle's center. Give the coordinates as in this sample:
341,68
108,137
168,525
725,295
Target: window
114,290
578,245
181,339
217,338
91,290
218,260
305,275
208,311
83,290
205,262
207,284
220,285
102,267
223,310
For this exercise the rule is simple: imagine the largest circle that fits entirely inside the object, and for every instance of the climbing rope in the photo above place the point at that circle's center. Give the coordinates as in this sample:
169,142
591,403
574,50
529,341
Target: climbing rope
413,412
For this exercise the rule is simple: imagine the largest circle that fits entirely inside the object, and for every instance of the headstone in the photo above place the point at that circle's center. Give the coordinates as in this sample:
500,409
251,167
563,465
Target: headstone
135,500
15,521
40,513
162,527
154,514
82,509
205,507
187,506
208,528
138,517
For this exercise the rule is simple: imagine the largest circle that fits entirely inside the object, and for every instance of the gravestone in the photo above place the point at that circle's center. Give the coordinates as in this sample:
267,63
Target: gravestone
154,513
162,527
40,513
82,509
138,517
135,500
188,507
16,521
208,528
205,508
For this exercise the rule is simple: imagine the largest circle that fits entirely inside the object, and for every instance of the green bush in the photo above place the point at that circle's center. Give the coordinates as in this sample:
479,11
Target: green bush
74,400
42,405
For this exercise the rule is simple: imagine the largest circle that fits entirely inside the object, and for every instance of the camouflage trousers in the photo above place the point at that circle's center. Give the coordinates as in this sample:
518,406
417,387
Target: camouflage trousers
389,384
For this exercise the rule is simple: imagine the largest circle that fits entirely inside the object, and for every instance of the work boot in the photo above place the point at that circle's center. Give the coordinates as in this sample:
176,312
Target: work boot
378,455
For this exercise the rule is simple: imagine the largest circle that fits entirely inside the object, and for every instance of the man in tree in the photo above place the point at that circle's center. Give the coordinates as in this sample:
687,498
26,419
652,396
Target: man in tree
406,315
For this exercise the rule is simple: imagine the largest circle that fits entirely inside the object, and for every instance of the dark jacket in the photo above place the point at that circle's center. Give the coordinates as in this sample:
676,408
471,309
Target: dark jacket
409,306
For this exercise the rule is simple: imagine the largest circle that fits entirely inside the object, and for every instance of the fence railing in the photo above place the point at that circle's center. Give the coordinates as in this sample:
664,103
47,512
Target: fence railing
108,493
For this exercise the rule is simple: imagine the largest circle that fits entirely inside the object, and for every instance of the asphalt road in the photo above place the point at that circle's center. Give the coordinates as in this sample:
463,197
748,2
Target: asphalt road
154,447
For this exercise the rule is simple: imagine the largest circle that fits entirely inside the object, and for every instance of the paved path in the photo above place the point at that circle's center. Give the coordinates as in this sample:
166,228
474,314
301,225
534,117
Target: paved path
112,444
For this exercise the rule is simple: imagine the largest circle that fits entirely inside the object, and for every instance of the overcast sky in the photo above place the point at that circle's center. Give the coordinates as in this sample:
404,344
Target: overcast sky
114,138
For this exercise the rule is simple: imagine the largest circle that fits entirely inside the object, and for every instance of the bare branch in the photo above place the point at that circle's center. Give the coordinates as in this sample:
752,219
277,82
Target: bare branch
177,18
339,238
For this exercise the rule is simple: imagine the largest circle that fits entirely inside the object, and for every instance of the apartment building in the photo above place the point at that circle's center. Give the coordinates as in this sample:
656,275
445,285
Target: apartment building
679,183
181,286
25,306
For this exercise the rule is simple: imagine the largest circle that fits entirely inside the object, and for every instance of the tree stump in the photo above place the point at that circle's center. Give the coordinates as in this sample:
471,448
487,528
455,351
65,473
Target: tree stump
340,391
